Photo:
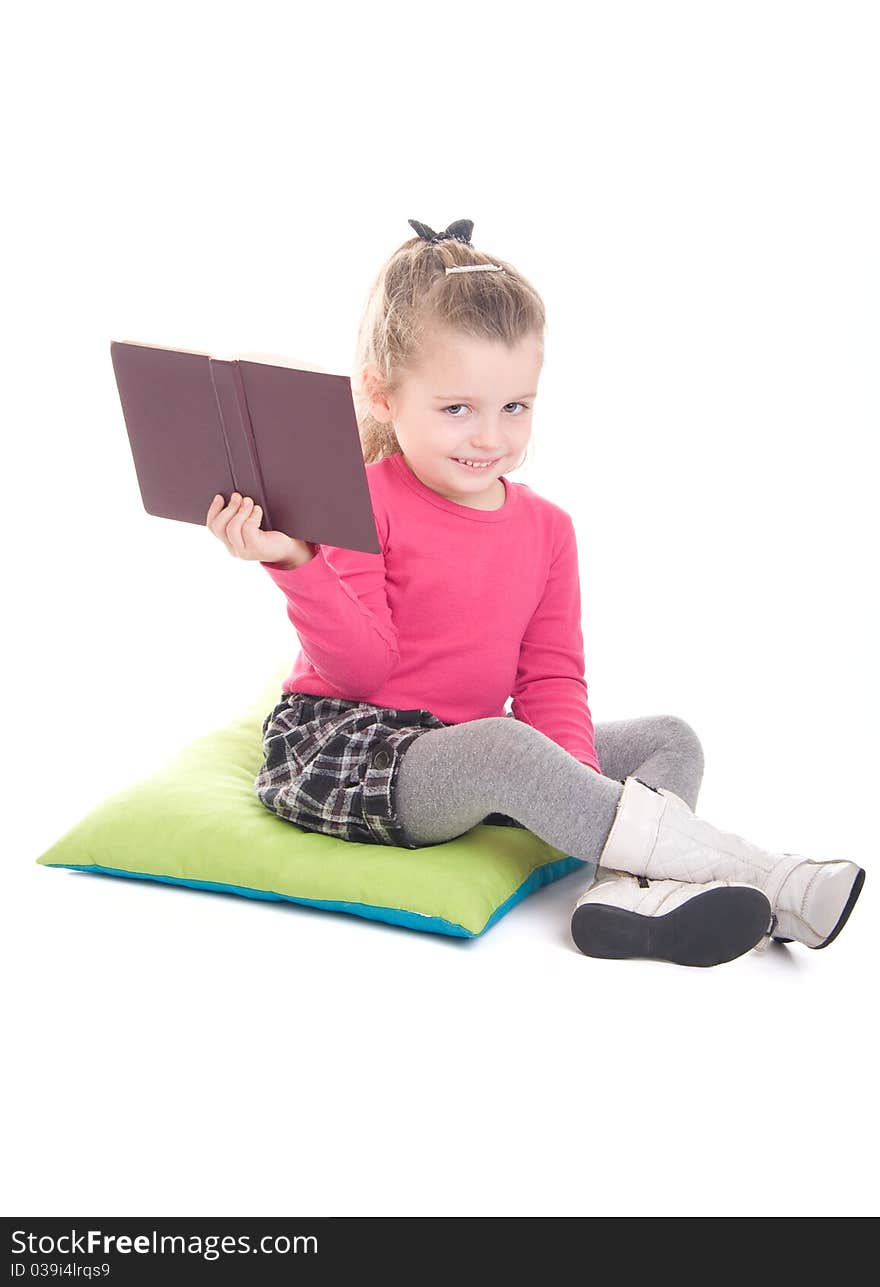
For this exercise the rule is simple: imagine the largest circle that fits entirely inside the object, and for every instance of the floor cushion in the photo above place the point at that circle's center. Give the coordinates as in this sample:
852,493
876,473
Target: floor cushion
197,822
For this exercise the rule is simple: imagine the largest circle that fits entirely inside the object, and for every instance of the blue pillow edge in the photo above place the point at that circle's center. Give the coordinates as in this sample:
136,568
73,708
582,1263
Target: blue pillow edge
545,874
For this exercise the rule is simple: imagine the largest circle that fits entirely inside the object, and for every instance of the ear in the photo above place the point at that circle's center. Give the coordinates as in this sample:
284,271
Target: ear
374,393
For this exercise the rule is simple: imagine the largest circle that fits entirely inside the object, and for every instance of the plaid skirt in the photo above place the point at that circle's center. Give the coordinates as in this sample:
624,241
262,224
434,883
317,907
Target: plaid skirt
331,765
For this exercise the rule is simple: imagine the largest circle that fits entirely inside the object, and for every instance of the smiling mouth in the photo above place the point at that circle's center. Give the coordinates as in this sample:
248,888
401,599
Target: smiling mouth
475,464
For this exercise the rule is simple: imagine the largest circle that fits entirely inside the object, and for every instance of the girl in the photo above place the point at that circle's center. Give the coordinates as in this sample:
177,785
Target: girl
391,726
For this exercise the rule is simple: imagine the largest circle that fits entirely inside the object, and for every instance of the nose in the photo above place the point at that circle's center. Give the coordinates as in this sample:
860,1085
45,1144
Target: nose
489,442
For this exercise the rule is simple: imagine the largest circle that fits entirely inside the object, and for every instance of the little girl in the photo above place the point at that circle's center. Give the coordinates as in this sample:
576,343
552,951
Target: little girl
391,726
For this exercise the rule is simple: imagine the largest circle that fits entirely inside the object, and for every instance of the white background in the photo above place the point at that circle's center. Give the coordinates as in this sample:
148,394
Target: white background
693,189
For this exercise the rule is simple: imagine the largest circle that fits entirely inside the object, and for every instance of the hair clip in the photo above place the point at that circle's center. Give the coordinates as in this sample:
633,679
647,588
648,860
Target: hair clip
460,230
476,268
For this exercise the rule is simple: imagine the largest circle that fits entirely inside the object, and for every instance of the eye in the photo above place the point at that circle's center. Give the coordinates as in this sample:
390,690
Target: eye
452,407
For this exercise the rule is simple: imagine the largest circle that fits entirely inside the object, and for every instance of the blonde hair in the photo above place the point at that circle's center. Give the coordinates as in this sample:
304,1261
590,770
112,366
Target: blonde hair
411,296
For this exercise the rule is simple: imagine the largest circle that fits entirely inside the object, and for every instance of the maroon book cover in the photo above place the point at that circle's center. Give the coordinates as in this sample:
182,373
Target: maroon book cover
285,435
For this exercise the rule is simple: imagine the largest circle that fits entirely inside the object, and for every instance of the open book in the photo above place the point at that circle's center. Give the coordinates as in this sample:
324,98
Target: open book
281,432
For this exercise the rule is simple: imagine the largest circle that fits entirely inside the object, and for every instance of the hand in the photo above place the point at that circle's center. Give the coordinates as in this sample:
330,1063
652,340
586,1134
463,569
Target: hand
237,525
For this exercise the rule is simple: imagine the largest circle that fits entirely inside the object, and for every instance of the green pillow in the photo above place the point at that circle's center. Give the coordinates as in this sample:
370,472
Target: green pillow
198,822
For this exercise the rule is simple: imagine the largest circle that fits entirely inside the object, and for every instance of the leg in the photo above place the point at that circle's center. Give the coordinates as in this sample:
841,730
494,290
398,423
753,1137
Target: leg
450,779
656,836
662,750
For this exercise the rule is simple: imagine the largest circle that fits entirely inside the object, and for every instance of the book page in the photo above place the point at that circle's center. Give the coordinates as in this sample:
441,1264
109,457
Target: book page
278,359
271,359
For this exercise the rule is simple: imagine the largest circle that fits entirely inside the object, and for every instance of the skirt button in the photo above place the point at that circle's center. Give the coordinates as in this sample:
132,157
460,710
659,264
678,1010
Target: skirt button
382,758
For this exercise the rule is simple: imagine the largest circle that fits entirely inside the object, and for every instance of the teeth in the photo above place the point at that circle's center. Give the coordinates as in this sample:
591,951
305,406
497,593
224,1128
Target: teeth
474,464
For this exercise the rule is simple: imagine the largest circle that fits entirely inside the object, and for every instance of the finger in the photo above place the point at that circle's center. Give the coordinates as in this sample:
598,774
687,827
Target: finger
214,508
251,529
234,526
223,514
221,519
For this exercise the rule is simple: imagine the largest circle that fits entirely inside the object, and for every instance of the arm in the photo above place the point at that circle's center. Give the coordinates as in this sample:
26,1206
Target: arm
338,606
550,691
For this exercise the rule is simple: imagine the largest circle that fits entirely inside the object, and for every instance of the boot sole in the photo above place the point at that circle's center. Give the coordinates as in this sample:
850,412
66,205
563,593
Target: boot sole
709,929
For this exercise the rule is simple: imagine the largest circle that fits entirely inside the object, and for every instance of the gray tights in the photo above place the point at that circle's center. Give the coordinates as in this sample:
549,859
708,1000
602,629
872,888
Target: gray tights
450,779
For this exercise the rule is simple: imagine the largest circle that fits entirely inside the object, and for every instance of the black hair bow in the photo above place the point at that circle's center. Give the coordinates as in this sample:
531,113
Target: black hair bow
460,230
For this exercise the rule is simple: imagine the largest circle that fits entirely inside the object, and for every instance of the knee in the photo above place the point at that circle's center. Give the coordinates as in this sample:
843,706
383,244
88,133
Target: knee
499,744
678,733
501,730
500,738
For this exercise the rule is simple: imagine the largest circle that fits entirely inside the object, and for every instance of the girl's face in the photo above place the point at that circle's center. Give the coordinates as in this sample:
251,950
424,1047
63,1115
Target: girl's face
468,399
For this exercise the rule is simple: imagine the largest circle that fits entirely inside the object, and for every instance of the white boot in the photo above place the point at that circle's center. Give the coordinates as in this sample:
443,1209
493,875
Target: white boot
621,916
655,834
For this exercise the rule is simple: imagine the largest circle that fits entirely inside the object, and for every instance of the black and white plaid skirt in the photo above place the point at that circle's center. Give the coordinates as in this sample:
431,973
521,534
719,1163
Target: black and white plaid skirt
331,765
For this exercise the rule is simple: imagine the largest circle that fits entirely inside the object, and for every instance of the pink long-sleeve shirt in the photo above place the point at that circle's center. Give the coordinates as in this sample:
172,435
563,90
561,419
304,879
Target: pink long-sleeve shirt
462,609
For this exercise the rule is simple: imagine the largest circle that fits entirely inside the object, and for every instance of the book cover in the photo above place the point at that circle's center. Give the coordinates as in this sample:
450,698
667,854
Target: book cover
285,435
